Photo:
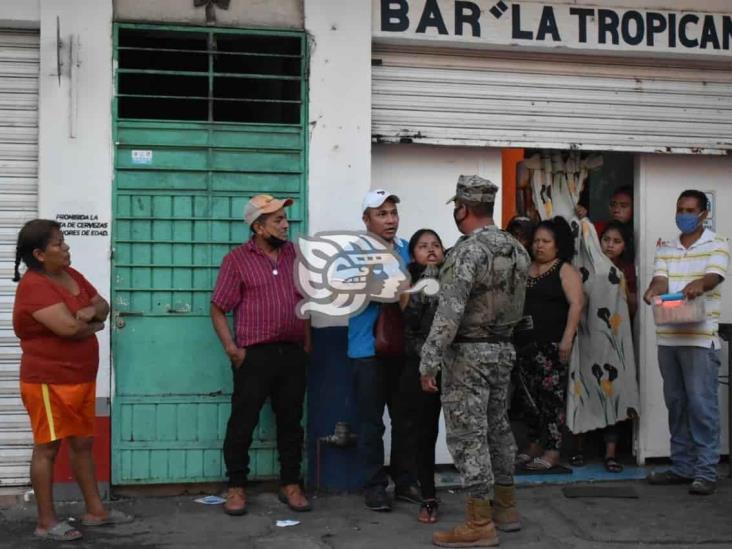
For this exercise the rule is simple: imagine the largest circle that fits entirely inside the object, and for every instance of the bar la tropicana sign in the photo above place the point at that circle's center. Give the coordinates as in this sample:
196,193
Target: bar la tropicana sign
546,24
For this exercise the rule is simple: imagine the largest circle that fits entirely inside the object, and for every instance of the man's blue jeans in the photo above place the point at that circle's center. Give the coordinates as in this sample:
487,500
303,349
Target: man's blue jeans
690,381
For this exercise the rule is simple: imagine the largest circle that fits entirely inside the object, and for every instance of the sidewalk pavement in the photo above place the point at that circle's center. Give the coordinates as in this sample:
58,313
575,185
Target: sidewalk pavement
661,516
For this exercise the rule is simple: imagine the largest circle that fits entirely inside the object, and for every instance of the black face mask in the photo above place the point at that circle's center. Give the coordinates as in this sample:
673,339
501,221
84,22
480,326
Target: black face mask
455,217
274,241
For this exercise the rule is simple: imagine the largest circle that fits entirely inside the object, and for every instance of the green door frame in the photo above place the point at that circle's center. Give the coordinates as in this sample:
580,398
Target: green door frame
121,422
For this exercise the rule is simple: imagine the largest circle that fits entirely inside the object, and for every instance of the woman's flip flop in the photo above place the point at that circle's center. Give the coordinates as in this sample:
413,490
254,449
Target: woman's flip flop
61,531
577,460
539,464
113,517
612,465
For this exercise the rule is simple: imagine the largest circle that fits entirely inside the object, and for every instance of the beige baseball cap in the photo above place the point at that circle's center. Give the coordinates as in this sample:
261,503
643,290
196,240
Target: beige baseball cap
263,204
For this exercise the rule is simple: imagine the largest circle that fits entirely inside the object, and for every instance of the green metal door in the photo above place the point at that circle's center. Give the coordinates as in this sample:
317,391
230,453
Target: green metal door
205,118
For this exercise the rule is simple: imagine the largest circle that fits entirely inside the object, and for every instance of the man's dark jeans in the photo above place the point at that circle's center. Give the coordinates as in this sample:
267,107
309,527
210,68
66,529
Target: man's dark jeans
387,382
277,371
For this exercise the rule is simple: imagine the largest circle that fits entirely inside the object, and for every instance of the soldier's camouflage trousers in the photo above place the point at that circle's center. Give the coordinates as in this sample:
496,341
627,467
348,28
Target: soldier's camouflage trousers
475,379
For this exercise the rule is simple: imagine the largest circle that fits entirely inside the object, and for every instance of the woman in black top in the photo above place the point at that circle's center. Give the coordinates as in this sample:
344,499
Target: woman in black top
554,301
425,248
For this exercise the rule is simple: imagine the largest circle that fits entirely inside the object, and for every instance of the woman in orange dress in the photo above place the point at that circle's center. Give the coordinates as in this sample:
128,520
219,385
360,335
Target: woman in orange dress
56,316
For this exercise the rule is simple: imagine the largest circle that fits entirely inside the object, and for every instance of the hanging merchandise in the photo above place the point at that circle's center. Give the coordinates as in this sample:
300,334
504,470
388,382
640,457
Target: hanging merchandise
603,387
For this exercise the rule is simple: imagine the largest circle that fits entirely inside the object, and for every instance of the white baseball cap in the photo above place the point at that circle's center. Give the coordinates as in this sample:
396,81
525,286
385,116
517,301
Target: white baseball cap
376,197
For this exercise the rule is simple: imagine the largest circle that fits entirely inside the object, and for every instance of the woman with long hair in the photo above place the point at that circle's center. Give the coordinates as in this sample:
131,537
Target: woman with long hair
427,253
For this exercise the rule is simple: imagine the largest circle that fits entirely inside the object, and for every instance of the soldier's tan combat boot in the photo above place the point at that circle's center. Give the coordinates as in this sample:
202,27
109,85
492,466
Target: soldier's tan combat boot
476,531
505,515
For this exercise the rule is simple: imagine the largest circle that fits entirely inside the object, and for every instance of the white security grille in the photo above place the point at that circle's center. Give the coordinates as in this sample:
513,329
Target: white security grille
506,99
19,66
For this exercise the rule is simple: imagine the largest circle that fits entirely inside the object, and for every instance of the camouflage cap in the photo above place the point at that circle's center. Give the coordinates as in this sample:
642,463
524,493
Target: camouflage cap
474,188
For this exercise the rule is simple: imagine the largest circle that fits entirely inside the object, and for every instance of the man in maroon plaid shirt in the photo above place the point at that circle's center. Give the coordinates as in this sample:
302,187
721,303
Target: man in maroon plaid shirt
268,350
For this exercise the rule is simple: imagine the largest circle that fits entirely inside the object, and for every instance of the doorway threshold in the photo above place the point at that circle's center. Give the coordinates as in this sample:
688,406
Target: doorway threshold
592,472
447,476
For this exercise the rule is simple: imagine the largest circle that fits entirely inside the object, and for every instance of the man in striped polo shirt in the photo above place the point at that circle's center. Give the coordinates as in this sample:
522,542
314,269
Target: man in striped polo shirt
268,350
688,354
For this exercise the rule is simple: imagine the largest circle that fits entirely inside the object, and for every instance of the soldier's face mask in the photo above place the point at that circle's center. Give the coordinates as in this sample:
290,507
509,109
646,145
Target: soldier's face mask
456,212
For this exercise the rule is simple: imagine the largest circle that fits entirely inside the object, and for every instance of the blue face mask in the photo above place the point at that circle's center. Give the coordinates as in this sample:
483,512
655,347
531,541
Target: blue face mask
687,222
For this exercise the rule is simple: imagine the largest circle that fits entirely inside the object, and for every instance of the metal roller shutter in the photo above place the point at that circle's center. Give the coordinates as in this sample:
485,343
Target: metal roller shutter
469,97
19,67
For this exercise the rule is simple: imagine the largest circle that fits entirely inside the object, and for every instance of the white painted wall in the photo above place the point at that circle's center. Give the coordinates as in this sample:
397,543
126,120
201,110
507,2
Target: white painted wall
660,180
424,178
282,14
340,113
75,173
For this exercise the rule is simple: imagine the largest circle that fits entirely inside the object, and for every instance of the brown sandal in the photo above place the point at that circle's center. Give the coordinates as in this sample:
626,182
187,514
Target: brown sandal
428,511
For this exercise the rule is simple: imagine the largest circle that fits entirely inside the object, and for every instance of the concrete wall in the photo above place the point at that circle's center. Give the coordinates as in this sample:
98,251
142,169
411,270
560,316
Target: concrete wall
660,179
283,14
424,178
75,142
340,113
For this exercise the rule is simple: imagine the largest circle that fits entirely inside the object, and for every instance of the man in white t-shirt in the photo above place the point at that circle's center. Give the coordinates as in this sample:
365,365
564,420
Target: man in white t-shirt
688,354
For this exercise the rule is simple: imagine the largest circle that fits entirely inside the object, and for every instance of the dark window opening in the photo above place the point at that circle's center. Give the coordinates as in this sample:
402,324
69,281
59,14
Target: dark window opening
159,39
163,109
250,64
238,111
251,88
258,44
163,60
209,76
163,84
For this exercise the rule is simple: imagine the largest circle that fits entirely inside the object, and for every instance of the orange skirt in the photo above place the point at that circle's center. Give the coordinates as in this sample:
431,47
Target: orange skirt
59,411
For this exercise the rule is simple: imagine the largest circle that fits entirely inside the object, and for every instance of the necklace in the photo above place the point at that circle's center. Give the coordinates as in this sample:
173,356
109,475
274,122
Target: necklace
274,262
532,280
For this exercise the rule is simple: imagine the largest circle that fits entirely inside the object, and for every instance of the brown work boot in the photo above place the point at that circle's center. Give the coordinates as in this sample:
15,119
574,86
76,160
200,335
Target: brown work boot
236,501
505,515
476,531
293,497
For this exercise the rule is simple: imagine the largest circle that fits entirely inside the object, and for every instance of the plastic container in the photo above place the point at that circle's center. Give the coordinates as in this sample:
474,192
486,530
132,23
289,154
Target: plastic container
674,309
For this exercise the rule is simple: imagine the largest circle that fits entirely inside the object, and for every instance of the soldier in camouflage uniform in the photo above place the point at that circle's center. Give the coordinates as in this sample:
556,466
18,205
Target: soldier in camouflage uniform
482,287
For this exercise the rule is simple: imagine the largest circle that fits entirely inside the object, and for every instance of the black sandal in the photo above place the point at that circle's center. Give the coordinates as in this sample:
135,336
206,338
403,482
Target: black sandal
577,460
612,465
428,511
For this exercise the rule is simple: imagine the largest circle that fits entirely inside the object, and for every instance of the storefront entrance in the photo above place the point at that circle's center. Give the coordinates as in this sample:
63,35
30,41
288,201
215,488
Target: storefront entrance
204,119
436,92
